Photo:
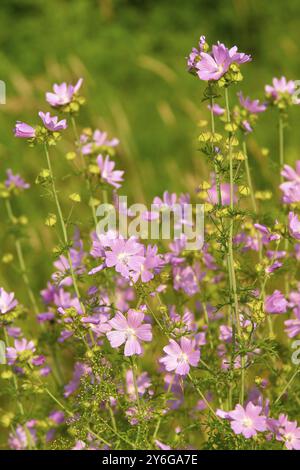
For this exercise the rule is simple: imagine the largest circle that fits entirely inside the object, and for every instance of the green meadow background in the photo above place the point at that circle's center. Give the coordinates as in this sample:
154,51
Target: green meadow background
131,55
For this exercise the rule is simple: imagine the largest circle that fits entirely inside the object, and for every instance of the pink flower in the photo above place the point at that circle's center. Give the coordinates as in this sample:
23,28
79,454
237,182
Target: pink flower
21,346
108,174
180,357
253,107
212,194
143,383
99,140
52,123
15,181
194,55
280,89
213,67
276,303
152,262
294,225
127,256
130,331
292,327
247,421
216,109
7,301
23,437
63,93
290,434
291,188
23,130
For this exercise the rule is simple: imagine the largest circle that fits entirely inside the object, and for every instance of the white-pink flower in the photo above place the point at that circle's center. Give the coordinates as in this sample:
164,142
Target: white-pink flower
246,421
179,358
130,331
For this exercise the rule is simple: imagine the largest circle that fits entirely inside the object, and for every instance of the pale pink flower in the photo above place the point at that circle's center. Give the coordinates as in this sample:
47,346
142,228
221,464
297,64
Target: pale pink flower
130,331
179,358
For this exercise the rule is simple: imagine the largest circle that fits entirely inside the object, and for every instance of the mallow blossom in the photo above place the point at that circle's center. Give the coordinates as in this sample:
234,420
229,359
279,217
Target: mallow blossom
52,123
24,131
126,256
130,330
180,357
7,301
281,88
294,225
252,106
276,303
291,187
15,181
62,93
22,349
108,174
100,139
213,66
246,421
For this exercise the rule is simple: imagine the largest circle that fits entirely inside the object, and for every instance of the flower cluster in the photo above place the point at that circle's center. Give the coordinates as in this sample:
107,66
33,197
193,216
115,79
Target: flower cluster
141,345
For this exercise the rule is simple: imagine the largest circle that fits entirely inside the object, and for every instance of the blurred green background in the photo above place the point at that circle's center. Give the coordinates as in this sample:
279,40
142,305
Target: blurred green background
132,57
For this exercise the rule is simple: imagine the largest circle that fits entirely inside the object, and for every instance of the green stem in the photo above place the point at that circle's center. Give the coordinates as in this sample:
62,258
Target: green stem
230,240
88,183
218,185
287,385
63,226
21,260
281,143
14,380
249,179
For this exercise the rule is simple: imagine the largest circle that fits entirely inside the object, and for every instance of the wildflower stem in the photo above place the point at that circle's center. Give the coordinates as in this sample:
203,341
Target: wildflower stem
281,143
160,418
136,391
14,380
230,239
88,183
21,260
212,120
248,174
63,225
202,396
68,412
287,385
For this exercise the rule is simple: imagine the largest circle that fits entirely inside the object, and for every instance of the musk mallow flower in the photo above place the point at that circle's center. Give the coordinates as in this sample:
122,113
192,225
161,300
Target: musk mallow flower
276,303
289,433
7,301
291,187
213,66
130,330
294,225
52,123
24,131
194,55
143,383
62,93
22,350
292,326
100,139
179,357
23,437
15,181
127,256
246,421
280,89
252,106
108,174
216,109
